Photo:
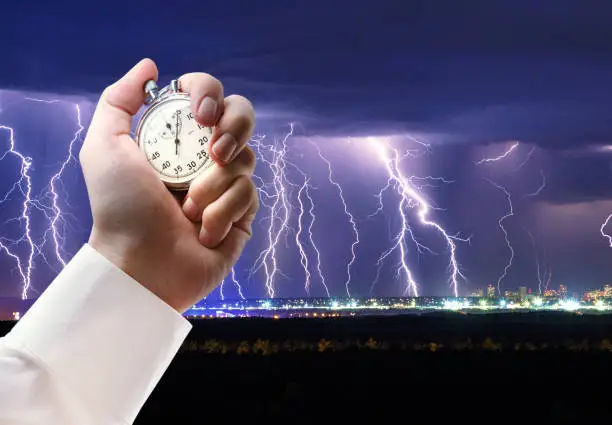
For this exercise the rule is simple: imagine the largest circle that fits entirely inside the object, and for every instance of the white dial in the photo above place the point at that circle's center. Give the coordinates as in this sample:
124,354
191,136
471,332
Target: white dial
173,142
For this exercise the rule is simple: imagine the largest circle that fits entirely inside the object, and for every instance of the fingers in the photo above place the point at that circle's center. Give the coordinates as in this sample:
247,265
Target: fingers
233,131
212,184
206,94
121,100
233,117
235,208
238,235
233,244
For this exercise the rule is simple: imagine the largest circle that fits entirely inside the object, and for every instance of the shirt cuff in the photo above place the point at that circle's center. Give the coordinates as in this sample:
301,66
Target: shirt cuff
102,334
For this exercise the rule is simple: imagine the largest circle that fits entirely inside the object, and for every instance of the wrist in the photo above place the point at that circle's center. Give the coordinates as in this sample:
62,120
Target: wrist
129,258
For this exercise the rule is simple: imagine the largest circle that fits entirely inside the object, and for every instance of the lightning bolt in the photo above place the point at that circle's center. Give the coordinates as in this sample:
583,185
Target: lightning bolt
549,278
55,181
312,242
527,158
400,239
540,188
53,212
499,157
411,197
347,212
537,260
276,196
236,284
24,185
280,208
510,212
305,189
303,256
500,222
602,230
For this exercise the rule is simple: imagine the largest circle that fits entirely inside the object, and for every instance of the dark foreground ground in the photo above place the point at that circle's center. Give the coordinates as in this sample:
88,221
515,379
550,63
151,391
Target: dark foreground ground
527,368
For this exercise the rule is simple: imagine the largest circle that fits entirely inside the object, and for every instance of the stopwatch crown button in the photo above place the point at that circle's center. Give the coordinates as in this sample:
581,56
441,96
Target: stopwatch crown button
151,90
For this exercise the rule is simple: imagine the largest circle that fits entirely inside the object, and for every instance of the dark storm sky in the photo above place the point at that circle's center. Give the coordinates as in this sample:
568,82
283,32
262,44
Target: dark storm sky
467,77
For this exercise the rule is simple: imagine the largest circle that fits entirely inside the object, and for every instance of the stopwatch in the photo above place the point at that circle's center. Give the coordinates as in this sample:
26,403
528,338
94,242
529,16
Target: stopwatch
174,143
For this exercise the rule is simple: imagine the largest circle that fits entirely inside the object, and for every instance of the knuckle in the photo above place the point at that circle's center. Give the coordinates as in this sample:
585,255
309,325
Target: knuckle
244,185
202,184
236,98
196,190
250,217
250,196
253,194
212,218
256,201
243,122
248,158
244,104
106,92
200,81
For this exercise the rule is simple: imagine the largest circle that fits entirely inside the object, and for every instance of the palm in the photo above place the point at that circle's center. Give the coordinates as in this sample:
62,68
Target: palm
140,207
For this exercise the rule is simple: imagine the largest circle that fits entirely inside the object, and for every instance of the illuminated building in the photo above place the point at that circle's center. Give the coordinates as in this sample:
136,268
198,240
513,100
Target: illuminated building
550,293
594,295
591,296
563,291
491,291
522,292
479,293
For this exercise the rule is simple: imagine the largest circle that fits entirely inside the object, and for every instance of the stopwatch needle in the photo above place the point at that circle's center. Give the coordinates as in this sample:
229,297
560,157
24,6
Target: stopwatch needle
177,142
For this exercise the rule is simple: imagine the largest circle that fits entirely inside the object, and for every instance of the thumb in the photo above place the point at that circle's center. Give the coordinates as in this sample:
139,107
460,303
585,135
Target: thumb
122,100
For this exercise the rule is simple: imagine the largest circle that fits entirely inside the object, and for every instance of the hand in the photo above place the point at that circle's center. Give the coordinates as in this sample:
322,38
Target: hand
138,224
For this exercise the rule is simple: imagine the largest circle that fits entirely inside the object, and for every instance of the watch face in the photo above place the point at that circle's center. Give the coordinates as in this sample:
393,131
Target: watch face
175,145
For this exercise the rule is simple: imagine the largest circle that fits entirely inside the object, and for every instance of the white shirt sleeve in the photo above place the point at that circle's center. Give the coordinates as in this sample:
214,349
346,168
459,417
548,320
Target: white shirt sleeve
89,351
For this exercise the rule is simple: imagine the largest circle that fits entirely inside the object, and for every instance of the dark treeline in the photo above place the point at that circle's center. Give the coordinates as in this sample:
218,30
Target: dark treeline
385,387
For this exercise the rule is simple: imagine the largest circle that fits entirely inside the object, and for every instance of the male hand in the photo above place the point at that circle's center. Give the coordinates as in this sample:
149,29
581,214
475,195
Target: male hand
179,252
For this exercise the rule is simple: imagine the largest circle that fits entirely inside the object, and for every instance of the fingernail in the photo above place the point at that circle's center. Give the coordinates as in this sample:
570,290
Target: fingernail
191,210
208,110
224,147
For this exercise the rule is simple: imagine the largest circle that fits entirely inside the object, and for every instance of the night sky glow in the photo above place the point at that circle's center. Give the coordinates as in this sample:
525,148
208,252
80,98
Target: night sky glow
421,148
